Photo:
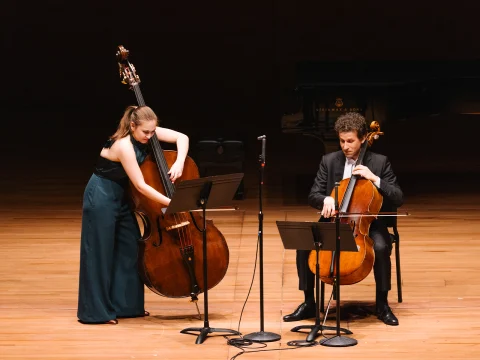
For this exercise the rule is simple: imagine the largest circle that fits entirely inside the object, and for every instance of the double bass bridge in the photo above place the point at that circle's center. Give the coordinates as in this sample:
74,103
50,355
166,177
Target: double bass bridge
177,226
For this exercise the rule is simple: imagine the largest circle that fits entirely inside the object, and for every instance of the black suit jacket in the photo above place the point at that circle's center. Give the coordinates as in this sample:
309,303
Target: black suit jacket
331,170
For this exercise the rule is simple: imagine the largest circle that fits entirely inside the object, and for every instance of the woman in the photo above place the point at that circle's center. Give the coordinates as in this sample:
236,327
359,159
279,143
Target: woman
110,286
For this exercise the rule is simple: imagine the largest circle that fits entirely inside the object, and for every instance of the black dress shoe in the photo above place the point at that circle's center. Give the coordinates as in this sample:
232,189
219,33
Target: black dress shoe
303,311
387,316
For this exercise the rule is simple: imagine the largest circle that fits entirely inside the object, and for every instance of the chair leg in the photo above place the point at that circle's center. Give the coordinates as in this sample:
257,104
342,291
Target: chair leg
399,275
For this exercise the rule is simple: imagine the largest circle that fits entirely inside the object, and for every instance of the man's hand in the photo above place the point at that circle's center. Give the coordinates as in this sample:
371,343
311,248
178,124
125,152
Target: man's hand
328,207
365,173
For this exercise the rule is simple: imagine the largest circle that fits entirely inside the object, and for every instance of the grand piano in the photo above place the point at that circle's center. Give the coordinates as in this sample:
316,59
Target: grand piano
385,91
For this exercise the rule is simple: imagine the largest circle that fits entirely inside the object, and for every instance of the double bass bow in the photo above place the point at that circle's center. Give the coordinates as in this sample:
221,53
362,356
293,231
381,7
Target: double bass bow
170,256
360,203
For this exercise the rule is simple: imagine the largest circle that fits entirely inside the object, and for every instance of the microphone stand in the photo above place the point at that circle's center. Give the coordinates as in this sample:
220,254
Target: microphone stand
337,340
261,336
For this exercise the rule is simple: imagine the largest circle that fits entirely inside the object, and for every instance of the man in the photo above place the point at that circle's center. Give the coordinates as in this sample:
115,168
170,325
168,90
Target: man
352,130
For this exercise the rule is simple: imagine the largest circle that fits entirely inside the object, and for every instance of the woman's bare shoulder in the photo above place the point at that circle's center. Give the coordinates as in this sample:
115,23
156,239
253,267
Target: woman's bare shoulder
122,143
119,146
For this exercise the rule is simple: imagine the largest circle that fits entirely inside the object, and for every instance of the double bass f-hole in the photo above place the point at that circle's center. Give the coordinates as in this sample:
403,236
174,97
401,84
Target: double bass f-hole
160,237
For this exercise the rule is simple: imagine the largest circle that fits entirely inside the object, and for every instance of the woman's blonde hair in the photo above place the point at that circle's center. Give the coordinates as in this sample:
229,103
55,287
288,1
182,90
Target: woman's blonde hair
135,114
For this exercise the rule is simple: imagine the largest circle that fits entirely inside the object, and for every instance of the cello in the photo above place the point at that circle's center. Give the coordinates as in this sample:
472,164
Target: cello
170,256
360,203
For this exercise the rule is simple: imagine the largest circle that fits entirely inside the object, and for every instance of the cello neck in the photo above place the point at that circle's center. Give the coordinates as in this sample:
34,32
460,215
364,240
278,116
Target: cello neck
353,180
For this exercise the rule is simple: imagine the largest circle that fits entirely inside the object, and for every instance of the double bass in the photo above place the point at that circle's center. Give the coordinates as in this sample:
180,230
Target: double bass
170,256
360,203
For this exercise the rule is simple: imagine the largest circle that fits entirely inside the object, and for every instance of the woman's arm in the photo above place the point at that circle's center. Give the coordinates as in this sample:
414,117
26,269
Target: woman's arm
182,141
127,157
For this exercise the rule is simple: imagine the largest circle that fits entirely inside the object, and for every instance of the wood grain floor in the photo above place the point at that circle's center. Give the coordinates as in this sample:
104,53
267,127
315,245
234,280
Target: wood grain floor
39,248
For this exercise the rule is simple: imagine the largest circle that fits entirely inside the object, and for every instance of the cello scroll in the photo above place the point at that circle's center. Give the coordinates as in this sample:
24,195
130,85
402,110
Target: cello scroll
375,133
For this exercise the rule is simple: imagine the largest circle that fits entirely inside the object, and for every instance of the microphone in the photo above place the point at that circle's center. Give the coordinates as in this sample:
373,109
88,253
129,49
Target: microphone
264,140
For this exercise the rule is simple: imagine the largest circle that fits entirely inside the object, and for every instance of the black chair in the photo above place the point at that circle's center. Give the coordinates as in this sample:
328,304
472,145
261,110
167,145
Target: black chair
395,236
219,157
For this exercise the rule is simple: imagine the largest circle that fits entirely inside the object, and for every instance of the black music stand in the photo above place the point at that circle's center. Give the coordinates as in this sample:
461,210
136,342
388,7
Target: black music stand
305,235
195,194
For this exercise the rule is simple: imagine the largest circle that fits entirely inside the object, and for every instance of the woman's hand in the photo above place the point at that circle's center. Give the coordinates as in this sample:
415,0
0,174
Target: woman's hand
176,171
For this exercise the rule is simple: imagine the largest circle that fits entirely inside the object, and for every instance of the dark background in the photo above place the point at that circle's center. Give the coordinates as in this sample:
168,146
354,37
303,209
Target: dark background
224,69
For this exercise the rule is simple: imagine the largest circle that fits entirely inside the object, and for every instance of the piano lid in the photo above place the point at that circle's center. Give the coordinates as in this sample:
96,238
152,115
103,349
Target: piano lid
383,73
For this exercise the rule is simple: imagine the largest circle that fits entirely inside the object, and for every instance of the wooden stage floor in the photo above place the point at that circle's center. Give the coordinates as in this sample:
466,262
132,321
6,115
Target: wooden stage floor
39,245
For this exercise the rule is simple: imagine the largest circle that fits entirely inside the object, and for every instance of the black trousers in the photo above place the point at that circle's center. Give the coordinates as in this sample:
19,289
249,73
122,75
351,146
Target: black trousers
382,267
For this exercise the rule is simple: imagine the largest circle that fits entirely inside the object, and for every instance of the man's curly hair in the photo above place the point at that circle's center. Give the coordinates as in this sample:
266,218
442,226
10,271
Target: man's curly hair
351,122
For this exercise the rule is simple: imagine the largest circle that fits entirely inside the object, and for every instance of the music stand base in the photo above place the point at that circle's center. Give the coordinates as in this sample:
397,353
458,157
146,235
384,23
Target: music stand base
315,329
207,330
339,341
262,336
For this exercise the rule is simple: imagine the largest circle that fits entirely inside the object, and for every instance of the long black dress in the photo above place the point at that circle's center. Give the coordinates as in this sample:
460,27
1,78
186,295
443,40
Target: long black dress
109,285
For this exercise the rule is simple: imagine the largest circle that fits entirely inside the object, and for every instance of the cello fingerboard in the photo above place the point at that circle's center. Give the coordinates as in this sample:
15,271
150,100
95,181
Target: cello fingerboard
353,181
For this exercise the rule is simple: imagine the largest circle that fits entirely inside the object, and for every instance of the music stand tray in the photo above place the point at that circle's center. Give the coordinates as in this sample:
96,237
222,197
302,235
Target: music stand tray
194,194
188,193
299,235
